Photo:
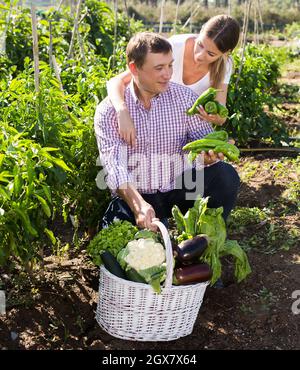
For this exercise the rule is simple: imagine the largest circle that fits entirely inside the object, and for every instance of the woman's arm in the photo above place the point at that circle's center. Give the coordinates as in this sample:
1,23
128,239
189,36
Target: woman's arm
116,91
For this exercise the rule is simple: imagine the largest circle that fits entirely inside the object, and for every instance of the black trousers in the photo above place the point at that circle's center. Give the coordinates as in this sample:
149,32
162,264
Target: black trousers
221,184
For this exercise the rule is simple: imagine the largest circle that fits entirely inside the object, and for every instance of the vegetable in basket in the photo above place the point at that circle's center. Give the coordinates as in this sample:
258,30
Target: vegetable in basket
113,239
191,274
112,265
145,258
191,249
209,221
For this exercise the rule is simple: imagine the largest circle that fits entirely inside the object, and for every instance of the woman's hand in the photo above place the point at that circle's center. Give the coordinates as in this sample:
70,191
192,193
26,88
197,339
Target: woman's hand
212,118
126,127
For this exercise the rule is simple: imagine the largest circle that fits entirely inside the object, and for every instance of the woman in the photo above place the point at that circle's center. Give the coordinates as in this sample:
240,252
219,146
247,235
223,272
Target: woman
199,62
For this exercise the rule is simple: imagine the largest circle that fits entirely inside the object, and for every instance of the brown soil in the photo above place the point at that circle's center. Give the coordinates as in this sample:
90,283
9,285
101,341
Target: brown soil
57,310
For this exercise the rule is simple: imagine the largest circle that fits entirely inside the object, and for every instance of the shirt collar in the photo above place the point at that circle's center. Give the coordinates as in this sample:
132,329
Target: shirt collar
135,98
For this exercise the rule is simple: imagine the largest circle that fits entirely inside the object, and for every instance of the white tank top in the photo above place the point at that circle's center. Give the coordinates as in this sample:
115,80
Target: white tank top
178,44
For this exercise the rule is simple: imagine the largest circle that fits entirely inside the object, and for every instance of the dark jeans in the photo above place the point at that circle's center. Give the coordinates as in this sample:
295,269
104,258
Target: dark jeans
221,184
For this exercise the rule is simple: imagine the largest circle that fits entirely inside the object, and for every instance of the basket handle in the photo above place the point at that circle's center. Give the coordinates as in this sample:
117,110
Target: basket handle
169,252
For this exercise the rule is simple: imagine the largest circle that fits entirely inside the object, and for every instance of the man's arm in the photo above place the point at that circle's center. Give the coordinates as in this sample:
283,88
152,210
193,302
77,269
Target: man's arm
143,212
113,155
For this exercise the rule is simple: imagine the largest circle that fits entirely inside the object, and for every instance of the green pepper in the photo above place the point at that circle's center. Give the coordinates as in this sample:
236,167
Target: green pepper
218,135
206,96
203,144
222,110
229,150
207,143
211,107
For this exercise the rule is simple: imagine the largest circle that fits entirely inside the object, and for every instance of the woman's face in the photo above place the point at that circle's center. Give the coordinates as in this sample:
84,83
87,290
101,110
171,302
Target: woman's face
205,50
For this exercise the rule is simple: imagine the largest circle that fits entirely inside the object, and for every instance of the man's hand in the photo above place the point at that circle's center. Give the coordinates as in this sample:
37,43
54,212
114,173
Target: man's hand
144,217
211,157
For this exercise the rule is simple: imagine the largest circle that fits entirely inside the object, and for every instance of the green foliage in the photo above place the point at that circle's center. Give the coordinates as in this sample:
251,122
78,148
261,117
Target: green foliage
97,31
251,101
243,216
25,195
60,116
293,30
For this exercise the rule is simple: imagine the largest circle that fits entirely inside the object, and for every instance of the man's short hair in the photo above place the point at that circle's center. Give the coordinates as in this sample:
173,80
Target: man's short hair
144,42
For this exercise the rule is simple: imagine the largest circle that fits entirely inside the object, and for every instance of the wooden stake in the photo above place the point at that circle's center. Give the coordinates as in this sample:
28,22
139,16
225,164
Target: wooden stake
50,43
176,16
3,36
115,32
81,46
126,9
74,32
35,48
57,72
193,13
59,5
161,21
245,28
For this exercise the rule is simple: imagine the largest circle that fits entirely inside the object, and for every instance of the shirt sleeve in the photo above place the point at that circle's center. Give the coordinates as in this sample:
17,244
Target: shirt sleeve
112,149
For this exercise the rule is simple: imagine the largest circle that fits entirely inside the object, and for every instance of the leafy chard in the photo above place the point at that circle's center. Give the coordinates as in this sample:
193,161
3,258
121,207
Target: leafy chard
209,221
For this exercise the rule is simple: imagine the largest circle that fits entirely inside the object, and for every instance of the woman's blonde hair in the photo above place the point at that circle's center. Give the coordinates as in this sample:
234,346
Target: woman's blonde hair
224,31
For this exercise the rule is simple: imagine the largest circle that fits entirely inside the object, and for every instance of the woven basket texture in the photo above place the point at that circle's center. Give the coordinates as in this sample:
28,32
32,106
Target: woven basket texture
133,311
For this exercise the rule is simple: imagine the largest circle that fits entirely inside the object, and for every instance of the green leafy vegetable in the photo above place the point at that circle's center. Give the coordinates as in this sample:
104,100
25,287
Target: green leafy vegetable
112,239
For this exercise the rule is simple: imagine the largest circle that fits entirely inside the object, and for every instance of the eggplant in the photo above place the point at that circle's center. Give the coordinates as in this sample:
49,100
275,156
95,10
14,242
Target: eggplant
191,249
190,274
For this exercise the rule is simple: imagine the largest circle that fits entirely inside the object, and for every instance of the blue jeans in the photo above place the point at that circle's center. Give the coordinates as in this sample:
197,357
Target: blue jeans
221,184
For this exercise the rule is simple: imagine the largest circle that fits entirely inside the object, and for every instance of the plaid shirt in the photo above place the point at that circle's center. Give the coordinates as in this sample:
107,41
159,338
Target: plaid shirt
162,131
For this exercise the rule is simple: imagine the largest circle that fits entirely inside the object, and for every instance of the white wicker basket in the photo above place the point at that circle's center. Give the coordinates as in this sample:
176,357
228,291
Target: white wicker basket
133,311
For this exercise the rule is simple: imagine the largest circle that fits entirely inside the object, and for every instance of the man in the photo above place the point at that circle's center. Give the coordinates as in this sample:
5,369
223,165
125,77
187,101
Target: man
150,178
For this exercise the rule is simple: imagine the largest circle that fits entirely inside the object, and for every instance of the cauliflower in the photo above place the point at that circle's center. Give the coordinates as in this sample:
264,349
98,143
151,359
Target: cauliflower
145,253
144,259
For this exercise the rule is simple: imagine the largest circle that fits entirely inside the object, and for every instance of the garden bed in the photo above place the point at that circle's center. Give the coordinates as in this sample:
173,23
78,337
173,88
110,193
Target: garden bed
57,310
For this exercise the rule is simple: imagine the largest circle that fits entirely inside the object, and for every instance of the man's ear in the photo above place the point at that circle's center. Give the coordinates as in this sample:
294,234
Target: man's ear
133,68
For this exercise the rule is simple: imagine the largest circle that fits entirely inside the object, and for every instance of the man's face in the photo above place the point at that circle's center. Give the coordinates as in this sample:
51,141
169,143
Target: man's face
154,76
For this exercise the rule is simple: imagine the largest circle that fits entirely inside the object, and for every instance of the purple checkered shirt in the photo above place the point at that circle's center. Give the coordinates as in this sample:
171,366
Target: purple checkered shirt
162,131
